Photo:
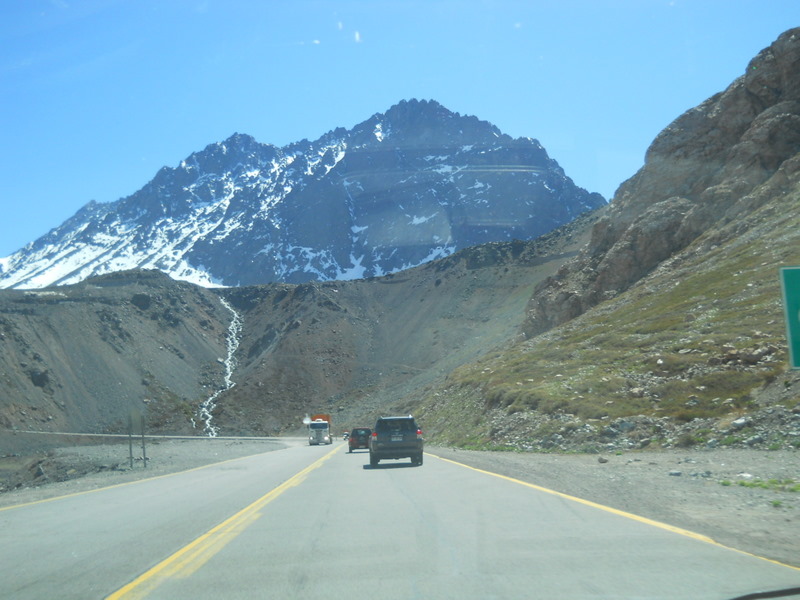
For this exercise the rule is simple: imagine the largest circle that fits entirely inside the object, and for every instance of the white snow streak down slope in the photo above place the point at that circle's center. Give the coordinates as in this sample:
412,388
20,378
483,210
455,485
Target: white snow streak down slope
207,407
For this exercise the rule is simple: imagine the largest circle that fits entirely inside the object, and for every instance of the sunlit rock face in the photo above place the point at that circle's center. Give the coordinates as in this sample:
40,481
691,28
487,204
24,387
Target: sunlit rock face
716,163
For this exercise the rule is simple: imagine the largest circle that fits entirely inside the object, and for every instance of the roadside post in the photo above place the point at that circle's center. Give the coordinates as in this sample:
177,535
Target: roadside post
130,439
136,425
790,285
144,452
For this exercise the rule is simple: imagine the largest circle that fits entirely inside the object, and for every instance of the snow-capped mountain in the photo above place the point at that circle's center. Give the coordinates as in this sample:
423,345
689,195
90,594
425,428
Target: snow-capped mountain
402,188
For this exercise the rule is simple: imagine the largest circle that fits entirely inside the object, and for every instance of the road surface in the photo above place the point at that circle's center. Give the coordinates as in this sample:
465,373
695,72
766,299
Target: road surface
309,522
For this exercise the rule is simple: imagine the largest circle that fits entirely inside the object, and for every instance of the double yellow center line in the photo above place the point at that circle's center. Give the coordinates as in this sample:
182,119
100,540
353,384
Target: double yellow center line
191,557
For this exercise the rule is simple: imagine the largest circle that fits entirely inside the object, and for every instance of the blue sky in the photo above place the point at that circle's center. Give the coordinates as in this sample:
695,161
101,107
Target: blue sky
97,95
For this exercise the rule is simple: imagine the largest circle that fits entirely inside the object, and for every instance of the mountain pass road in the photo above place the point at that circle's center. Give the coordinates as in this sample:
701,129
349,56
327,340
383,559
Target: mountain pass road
309,522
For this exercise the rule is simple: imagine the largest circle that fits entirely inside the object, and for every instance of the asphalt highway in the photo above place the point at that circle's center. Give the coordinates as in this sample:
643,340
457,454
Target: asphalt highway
309,522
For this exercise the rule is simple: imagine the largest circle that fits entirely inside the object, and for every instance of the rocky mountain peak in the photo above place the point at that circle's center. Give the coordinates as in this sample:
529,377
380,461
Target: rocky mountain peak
402,188
407,112
236,152
426,123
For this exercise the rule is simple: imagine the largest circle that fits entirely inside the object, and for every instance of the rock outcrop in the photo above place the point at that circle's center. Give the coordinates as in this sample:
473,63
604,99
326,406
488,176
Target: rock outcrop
714,163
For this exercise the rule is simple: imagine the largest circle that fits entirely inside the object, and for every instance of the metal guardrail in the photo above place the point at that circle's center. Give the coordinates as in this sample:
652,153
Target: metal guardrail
154,436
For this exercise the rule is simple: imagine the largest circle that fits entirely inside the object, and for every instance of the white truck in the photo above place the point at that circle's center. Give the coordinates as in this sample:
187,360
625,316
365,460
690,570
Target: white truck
319,430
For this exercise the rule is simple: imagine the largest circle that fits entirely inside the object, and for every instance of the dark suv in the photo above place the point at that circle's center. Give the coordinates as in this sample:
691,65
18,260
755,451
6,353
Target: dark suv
396,437
359,438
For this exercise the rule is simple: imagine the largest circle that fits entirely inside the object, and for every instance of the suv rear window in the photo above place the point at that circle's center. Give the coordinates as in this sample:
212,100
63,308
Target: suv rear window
396,425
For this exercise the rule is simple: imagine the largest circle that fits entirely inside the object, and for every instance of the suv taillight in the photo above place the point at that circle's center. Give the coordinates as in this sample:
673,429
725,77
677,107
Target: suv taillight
419,434
374,435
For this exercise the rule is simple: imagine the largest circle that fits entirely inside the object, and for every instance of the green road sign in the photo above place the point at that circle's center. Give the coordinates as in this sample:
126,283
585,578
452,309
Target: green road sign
790,283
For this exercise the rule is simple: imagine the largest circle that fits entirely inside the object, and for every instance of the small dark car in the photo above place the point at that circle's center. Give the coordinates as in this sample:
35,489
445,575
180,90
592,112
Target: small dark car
359,438
396,437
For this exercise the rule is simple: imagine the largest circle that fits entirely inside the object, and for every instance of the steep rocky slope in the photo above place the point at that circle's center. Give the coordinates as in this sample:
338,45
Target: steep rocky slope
714,164
83,357
668,325
359,348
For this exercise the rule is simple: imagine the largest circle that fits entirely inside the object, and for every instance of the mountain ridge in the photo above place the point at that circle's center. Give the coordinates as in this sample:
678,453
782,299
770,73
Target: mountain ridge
401,188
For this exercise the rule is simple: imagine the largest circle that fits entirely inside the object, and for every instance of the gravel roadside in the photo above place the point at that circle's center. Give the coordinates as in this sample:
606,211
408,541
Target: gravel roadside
739,498
74,469
742,499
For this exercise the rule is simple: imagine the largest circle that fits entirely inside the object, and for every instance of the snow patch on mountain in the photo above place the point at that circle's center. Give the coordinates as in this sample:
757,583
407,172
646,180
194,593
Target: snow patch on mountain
420,220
